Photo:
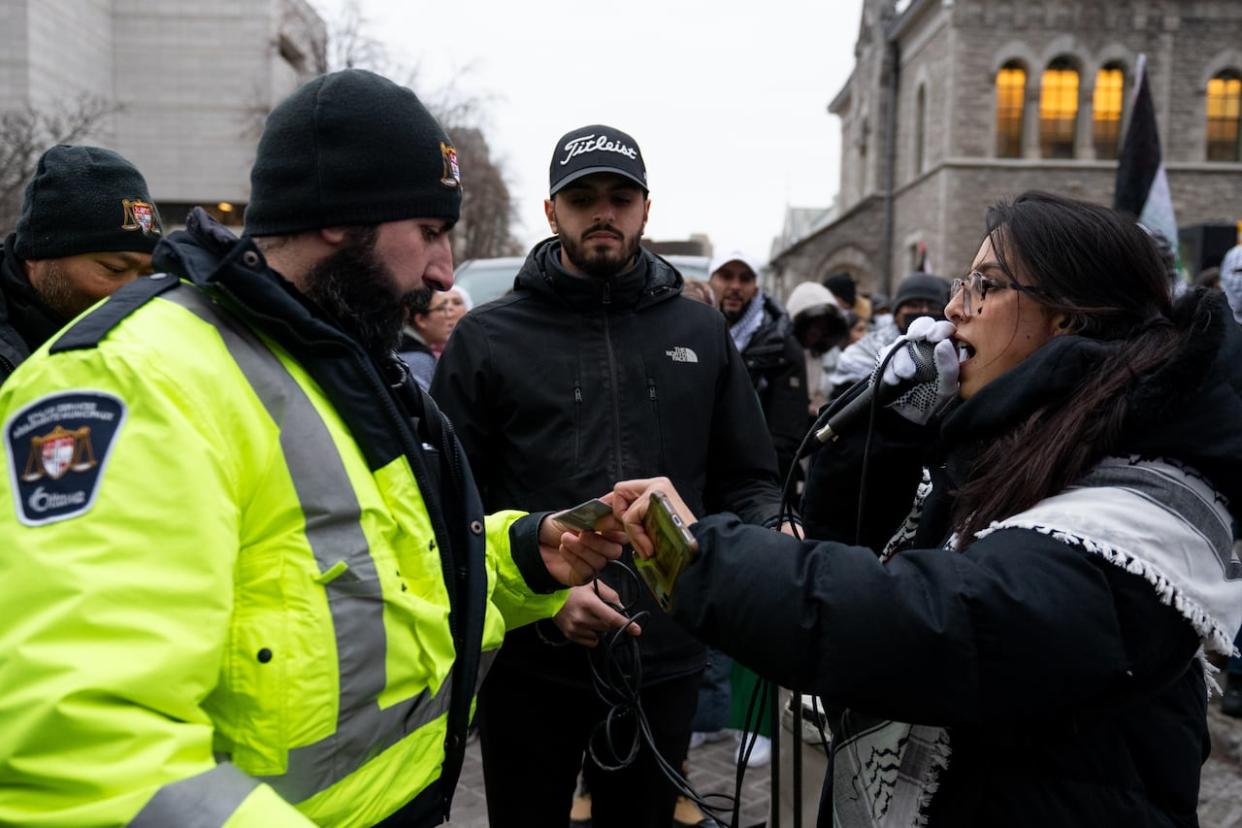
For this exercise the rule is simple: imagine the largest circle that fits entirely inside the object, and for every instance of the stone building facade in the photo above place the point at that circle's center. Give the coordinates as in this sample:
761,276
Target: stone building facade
943,115
188,83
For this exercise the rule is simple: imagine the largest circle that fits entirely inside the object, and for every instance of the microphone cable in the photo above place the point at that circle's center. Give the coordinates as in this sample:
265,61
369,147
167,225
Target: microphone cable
617,671
617,678
789,508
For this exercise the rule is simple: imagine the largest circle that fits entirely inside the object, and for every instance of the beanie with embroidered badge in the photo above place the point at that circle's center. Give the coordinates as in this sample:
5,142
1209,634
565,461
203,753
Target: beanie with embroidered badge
85,200
351,148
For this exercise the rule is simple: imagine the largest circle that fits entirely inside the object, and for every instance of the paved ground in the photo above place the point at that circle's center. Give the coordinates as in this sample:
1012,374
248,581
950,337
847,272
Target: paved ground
712,770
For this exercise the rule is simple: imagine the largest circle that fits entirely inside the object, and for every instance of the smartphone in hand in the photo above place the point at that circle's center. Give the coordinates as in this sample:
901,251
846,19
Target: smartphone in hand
674,547
583,516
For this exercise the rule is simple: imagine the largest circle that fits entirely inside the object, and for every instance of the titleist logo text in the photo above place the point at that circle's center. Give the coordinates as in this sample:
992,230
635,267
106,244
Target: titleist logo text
592,143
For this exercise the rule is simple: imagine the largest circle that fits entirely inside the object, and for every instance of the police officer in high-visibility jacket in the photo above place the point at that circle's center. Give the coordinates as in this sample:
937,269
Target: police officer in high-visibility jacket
245,573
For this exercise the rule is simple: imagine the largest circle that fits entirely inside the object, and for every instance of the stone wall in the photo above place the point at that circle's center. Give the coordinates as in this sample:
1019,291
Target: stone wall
953,51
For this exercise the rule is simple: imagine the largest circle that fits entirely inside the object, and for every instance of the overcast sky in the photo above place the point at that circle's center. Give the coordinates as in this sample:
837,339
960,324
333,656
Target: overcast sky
728,102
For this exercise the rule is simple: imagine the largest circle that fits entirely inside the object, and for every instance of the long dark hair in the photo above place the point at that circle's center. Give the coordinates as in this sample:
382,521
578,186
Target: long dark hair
1103,272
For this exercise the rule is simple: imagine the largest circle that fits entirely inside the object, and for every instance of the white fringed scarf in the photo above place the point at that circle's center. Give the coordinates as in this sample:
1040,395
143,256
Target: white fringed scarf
1153,518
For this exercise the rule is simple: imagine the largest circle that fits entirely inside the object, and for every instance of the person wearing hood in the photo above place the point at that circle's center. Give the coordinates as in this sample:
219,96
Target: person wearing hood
1025,636
596,359
763,333
87,227
819,327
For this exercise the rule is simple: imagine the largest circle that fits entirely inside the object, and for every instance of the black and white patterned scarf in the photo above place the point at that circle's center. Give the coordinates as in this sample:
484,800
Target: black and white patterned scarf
1156,519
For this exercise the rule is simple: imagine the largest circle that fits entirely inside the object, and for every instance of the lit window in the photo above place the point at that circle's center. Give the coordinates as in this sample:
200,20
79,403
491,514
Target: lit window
1224,106
1058,110
1010,89
1106,111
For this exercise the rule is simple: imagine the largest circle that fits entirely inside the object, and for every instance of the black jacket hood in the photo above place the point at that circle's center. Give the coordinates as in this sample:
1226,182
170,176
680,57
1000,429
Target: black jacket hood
651,280
1188,410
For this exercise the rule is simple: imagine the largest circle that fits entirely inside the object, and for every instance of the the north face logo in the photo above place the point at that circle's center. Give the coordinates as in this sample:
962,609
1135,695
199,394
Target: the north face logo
680,354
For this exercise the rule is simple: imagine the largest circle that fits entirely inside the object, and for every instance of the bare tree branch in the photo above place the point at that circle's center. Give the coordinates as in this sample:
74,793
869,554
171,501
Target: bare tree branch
487,211
26,133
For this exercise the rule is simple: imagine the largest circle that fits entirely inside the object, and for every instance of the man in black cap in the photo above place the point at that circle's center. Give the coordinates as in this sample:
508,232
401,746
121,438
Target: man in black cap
597,363
87,227
248,552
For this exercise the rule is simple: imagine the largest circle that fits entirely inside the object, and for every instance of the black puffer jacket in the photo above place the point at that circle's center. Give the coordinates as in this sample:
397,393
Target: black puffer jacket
25,323
1070,689
567,385
777,369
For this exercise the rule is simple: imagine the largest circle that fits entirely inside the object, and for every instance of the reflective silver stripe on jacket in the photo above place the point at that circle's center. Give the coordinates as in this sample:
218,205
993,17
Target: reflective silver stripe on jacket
334,532
203,801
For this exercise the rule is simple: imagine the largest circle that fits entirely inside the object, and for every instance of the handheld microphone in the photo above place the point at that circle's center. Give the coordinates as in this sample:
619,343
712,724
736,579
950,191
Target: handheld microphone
857,408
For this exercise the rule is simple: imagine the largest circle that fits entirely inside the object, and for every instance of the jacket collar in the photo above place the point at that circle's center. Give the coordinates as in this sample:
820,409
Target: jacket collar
210,256
1186,410
21,309
649,281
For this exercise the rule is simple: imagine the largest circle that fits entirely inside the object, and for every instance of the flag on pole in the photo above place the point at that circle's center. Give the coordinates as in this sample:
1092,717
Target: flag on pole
1142,188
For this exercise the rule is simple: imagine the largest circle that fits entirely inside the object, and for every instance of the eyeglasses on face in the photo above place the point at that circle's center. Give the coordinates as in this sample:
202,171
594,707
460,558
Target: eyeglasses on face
978,286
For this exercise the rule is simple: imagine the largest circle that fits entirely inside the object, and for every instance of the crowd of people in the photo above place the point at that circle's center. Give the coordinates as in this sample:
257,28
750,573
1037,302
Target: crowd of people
272,507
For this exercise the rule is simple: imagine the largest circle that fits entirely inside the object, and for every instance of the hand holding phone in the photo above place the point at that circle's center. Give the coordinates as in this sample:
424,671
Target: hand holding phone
674,549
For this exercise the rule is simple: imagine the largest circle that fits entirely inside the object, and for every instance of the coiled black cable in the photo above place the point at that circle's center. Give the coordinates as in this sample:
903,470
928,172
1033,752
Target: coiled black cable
617,670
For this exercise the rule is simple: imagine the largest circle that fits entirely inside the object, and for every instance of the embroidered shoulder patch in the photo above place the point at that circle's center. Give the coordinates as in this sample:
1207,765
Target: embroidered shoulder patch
58,447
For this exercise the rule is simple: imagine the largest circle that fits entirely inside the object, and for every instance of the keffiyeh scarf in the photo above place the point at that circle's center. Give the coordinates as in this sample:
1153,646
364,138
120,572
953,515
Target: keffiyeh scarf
1156,519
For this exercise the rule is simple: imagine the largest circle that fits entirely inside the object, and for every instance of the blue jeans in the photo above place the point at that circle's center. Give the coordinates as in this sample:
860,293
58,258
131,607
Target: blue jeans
712,713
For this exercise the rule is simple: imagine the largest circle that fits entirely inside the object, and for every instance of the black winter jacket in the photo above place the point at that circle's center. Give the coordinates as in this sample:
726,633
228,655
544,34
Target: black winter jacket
1071,692
25,322
567,385
777,369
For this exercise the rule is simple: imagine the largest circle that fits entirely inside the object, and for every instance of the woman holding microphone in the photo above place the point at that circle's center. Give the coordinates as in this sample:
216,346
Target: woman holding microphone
1024,645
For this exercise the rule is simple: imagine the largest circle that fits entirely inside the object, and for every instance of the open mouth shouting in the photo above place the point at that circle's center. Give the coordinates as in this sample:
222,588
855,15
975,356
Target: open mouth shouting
965,351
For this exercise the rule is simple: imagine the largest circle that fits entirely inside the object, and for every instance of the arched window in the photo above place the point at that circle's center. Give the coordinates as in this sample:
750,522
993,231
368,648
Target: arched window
920,128
1058,109
1110,84
1224,107
1010,89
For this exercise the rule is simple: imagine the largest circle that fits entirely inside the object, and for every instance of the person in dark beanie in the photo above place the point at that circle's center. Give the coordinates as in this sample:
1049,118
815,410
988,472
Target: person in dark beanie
249,553
919,294
598,362
87,227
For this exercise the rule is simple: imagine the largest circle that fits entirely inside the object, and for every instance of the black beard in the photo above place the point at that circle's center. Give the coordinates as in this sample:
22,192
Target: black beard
58,295
358,293
599,265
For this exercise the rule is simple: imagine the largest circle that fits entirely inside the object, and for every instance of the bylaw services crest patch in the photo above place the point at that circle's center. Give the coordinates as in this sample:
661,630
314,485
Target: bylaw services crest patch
58,447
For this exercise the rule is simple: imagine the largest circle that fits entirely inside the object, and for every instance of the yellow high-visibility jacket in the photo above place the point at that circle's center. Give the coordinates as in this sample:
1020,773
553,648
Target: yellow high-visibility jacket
239,587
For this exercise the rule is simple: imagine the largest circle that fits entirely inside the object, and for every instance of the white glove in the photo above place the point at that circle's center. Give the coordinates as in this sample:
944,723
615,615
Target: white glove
927,399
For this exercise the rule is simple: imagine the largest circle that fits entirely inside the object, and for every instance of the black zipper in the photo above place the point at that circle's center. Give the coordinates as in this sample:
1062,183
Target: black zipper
655,409
612,374
8,366
577,420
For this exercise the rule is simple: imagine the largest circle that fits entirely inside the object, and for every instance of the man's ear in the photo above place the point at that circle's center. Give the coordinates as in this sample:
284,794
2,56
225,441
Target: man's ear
334,236
549,210
646,212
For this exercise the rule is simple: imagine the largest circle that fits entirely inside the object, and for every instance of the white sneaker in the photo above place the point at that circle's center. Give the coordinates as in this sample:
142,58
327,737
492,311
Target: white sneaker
698,739
760,754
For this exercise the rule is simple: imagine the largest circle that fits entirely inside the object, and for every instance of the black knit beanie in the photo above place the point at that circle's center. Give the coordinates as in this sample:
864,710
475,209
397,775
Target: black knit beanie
85,200
351,148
